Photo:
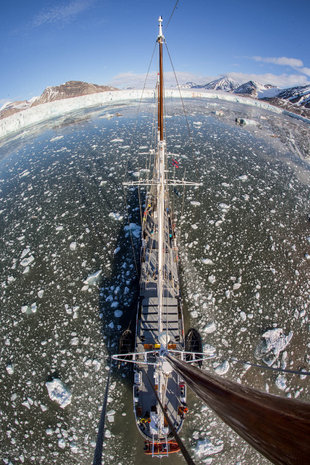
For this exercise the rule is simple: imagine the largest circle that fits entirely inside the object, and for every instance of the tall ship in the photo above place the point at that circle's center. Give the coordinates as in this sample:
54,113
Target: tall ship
159,321
164,359
159,392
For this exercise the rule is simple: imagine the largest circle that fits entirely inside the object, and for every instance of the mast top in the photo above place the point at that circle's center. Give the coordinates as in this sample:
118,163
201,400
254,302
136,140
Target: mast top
160,33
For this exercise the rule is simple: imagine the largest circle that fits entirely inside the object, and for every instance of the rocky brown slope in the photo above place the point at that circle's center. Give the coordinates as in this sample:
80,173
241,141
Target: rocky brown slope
50,94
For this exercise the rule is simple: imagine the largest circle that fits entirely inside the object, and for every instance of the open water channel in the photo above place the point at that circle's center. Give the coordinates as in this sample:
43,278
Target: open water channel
69,281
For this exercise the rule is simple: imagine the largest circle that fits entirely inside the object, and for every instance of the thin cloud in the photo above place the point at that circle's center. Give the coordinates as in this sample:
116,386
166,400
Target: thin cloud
305,71
282,61
294,63
61,13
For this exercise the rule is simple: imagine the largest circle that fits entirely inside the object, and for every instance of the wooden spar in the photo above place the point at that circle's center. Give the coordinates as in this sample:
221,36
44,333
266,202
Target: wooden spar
161,84
278,427
161,181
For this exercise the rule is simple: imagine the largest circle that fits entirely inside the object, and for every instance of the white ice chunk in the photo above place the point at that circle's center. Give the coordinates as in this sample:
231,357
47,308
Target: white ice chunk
61,443
281,382
25,252
224,207
134,228
29,309
96,364
10,369
27,261
58,392
116,216
24,173
221,368
272,344
73,246
205,447
211,279
92,279
210,328
208,349
53,139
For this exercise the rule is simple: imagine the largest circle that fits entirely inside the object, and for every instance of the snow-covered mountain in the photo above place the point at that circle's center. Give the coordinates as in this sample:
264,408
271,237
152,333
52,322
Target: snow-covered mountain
223,83
50,94
295,99
255,89
297,95
189,85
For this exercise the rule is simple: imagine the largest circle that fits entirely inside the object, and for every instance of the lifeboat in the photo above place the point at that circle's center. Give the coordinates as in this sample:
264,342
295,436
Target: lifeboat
160,447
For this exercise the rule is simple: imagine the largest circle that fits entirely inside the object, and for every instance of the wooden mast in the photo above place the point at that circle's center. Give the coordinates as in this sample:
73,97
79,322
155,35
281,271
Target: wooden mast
160,41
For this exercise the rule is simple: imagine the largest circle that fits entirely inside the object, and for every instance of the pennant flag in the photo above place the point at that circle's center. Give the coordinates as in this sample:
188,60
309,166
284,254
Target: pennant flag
175,163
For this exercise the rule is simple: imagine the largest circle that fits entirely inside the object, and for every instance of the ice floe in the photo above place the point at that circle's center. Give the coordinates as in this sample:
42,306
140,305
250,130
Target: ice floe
116,216
92,280
273,342
10,369
221,368
58,392
210,328
133,229
205,448
29,309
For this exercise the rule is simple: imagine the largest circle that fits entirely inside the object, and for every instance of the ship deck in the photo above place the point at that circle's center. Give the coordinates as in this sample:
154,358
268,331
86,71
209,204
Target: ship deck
147,325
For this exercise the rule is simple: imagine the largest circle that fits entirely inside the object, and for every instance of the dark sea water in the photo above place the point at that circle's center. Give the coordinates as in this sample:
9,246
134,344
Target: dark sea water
68,267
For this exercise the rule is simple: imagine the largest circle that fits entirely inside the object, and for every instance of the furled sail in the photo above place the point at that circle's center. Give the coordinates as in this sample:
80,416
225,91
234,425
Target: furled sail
277,427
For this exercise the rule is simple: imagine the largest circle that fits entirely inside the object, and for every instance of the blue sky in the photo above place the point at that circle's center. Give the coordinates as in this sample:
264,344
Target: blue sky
45,43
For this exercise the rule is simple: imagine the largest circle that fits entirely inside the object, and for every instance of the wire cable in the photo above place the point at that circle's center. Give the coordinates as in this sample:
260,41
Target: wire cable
179,89
170,18
281,370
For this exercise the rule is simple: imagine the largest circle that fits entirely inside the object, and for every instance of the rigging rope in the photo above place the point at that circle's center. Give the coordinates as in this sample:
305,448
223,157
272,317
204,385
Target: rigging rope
146,77
179,89
282,370
175,7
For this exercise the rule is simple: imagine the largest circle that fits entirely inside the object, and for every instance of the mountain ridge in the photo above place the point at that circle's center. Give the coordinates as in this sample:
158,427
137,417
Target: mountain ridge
294,99
69,89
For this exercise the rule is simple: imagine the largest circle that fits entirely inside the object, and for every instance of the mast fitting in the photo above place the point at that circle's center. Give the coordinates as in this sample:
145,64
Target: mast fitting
160,33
